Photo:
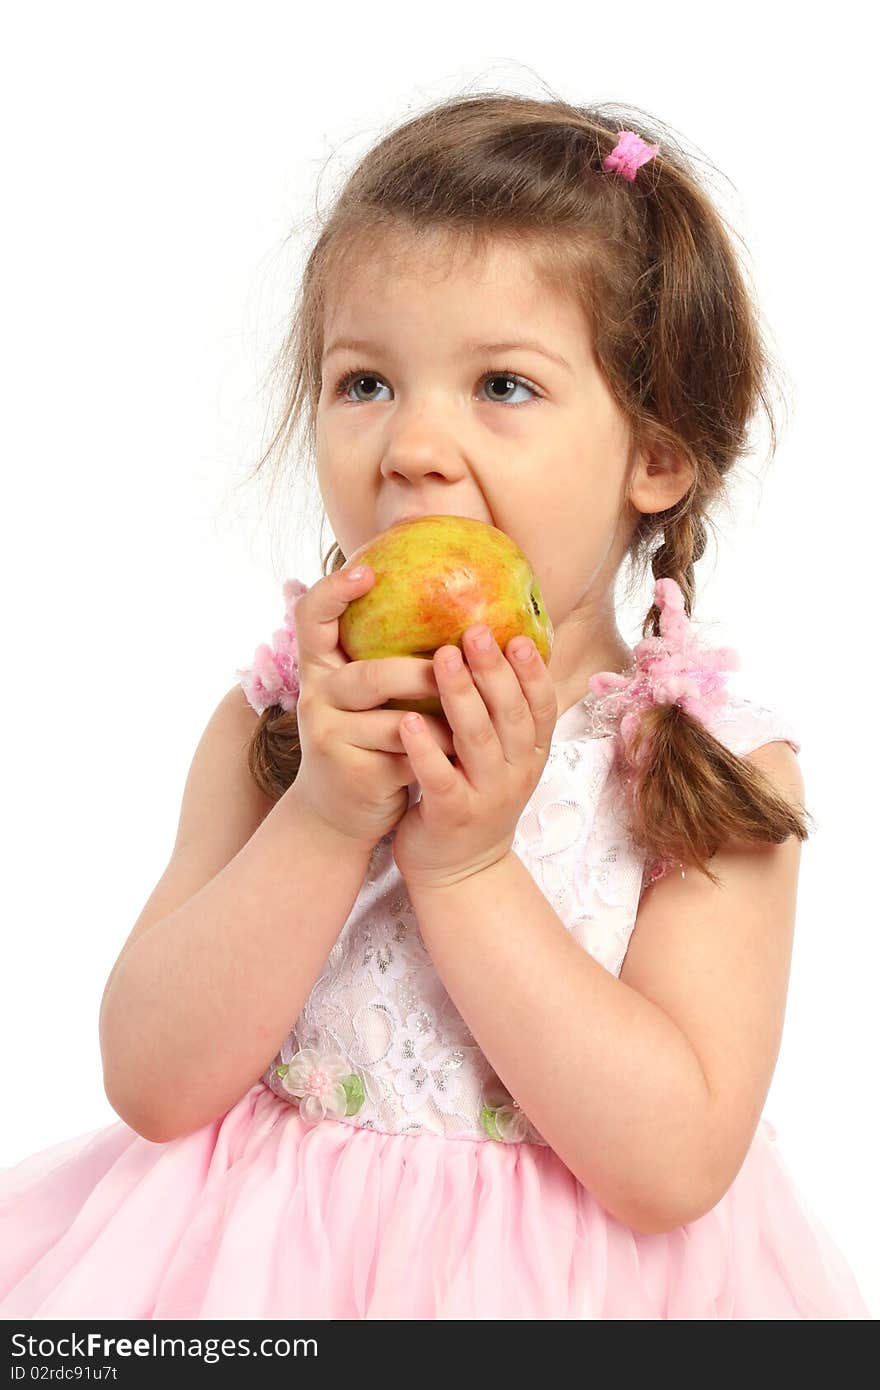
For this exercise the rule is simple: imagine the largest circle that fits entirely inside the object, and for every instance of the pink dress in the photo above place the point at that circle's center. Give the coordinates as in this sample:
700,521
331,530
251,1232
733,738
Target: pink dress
407,1184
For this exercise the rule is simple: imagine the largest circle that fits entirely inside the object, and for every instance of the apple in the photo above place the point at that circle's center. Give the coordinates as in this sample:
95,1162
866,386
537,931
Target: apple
435,577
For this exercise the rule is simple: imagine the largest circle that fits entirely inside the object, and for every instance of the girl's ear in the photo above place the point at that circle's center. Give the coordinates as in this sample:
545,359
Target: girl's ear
660,478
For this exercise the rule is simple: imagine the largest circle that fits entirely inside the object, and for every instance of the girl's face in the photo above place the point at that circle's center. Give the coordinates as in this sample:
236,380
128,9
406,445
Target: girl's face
523,434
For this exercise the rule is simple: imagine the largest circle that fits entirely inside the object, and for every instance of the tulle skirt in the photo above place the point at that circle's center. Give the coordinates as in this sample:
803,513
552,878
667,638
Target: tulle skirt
259,1215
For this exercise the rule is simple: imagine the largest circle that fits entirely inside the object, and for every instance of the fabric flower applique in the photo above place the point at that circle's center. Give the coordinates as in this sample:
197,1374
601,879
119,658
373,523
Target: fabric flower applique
324,1083
501,1116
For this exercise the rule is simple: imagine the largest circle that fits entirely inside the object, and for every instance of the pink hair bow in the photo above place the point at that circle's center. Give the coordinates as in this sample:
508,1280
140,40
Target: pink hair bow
274,677
673,668
629,154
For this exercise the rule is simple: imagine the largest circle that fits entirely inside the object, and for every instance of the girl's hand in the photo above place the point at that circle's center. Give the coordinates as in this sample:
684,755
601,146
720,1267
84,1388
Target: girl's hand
354,773
502,714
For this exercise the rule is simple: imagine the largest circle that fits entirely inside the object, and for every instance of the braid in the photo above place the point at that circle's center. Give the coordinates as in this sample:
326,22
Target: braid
694,795
684,542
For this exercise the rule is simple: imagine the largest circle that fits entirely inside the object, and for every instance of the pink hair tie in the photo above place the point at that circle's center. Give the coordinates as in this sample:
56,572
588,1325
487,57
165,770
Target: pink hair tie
629,154
673,668
274,677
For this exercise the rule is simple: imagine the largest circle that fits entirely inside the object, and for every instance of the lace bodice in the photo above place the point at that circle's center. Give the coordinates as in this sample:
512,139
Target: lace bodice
379,1024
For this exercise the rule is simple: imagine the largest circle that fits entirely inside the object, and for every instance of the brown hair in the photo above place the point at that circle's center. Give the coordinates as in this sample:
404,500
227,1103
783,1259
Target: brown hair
677,335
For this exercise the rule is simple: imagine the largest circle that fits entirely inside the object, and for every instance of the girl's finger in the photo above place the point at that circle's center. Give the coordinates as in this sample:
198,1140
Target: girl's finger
480,754
318,612
428,761
505,685
538,688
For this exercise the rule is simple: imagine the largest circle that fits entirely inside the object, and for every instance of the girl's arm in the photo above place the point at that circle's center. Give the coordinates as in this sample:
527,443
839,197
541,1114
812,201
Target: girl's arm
651,1094
197,1007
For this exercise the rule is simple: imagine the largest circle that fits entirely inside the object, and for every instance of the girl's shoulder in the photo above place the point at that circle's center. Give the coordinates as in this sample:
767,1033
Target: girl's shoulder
743,724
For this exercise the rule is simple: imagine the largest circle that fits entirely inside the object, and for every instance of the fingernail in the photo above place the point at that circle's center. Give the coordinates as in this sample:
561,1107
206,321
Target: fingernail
356,574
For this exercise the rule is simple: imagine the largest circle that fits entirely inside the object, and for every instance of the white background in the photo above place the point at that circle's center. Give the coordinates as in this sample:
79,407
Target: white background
156,160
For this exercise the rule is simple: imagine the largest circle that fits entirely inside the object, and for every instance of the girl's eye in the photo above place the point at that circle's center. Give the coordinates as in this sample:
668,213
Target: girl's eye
505,376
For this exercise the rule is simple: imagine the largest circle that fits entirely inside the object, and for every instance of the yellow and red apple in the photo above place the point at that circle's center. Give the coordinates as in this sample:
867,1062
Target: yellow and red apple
436,576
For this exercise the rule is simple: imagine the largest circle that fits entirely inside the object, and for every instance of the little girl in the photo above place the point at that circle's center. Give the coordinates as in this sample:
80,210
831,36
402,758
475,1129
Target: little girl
474,1018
